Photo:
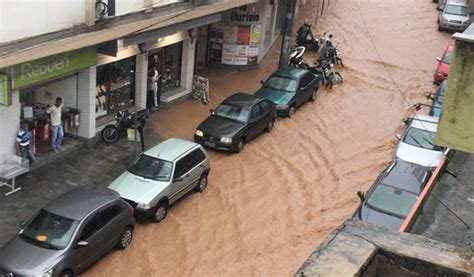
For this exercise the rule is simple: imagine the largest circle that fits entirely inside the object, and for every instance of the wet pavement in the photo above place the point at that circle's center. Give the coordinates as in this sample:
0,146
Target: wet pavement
436,221
266,208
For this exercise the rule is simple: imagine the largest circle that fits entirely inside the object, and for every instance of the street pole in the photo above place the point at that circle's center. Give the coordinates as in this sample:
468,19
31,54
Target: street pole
286,43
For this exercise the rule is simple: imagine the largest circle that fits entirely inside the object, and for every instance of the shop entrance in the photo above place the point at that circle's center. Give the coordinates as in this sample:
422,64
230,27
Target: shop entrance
36,100
168,62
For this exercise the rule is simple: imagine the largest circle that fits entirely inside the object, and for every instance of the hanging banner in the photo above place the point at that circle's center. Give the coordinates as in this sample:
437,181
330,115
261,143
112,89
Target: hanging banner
53,66
228,54
255,34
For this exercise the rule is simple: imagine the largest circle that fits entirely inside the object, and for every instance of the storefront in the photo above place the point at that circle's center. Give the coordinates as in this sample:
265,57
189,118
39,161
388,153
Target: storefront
245,34
168,61
115,87
37,84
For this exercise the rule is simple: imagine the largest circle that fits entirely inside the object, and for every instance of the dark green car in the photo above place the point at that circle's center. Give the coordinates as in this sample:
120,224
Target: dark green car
289,88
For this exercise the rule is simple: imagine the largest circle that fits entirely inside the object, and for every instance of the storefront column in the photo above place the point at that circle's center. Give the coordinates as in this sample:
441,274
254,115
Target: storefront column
86,97
9,125
187,69
141,66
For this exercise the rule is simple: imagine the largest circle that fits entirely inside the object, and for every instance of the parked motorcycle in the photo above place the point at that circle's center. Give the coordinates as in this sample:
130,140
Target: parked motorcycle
324,69
310,44
124,120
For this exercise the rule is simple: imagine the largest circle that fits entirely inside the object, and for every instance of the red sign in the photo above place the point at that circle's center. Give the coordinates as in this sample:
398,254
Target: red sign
243,35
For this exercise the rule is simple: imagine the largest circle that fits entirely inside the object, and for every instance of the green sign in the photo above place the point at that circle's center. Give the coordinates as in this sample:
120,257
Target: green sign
53,66
4,91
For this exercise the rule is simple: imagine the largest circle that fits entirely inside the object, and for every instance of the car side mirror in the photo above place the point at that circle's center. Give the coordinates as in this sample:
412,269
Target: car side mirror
262,82
361,195
407,121
211,111
178,179
399,137
438,59
82,243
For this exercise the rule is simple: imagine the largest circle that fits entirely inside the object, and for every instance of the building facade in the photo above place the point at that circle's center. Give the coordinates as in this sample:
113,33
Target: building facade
96,55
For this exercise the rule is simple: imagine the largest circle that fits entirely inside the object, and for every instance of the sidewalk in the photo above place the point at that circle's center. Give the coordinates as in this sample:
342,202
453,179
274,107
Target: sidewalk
98,165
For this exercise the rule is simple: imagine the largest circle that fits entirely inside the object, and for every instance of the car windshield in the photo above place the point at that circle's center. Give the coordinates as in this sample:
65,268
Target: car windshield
457,10
448,58
281,83
49,230
233,112
391,200
151,168
420,138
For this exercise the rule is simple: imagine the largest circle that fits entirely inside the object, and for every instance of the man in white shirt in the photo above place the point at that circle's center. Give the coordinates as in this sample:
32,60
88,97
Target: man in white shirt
57,132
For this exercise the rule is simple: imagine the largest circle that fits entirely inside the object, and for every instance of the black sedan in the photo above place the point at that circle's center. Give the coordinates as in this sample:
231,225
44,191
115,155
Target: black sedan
393,195
238,119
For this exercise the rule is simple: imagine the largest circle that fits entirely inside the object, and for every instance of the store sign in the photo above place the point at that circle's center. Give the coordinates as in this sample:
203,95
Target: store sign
245,14
5,90
53,66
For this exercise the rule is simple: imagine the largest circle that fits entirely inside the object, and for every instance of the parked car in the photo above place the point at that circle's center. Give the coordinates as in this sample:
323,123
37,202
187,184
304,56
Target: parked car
417,142
455,15
289,88
393,195
438,99
69,234
444,62
161,175
238,119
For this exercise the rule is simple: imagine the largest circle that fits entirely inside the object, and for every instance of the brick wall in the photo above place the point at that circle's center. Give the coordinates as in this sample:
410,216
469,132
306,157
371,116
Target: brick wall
86,101
9,125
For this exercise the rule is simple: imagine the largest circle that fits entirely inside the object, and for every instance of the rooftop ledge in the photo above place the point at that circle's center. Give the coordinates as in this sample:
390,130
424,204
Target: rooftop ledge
109,29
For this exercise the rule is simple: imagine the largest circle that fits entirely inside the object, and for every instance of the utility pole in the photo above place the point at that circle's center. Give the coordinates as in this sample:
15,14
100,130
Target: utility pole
286,43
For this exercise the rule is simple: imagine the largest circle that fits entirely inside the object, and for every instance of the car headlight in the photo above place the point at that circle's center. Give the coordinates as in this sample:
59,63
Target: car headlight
199,133
282,107
48,273
226,140
143,206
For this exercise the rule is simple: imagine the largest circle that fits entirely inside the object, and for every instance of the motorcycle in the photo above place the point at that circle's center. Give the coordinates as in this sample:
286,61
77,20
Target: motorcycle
332,56
324,69
310,44
124,120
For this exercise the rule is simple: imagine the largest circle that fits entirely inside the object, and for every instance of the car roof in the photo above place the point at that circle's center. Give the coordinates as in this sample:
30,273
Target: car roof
290,72
79,202
242,99
407,176
170,149
425,122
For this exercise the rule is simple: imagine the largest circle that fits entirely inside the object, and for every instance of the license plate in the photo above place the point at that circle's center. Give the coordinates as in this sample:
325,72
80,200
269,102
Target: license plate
210,144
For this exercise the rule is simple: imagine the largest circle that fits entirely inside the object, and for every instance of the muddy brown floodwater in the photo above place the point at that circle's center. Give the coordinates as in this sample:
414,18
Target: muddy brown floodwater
268,207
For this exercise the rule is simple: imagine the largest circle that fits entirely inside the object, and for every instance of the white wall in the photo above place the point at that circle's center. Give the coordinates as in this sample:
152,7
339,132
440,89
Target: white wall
157,3
128,6
26,18
9,122
66,88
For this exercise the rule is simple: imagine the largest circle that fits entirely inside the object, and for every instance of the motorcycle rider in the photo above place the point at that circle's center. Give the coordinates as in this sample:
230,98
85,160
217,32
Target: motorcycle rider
303,32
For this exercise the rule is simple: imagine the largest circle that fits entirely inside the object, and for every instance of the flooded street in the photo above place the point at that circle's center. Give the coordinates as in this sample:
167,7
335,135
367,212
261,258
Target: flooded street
267,208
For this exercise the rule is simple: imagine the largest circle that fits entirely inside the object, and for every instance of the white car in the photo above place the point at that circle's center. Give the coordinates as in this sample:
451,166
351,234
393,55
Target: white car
417,142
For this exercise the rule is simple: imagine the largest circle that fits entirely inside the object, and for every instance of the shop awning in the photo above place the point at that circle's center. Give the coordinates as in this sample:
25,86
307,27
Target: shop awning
172,29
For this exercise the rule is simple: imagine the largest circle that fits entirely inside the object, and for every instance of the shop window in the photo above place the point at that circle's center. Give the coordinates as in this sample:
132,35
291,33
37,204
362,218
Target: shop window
168,62
115,86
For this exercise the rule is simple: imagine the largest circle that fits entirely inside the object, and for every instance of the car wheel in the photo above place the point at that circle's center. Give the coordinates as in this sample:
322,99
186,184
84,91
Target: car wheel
291,111
160,213
270,125
202,184
313,96
240,145
126,238
66,273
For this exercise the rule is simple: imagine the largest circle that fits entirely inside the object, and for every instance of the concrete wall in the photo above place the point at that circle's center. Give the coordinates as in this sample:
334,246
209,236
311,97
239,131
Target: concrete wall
10,122
21,19
86,93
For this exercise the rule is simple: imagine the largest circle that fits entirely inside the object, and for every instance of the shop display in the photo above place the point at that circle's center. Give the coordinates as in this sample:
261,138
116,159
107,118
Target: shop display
201,89
168,62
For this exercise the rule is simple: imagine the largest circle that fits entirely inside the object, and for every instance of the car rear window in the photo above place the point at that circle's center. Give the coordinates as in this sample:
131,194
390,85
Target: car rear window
281,83
391,200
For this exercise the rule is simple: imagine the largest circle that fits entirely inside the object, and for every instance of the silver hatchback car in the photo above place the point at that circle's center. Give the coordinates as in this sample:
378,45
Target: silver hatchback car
454,16
161,175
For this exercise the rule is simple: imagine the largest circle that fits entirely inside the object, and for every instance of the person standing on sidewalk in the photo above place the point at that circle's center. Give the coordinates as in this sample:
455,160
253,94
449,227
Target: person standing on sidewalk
23,147
57,131
155,77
